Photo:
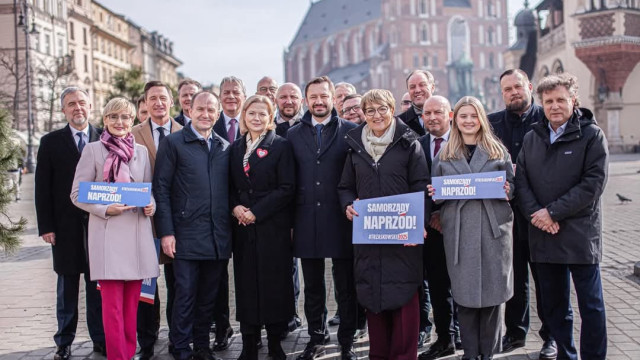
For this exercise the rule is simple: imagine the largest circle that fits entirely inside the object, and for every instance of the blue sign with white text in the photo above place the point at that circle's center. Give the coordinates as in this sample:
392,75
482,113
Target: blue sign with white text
486,185
135,194
397,219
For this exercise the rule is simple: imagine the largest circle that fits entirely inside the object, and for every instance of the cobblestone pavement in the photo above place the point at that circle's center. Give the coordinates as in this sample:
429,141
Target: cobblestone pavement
27,288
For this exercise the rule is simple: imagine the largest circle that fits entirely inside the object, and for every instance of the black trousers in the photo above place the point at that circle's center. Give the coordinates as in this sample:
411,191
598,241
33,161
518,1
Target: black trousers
148,322
196,285
516,314
315,298
221,309
170,282
68,289
435,264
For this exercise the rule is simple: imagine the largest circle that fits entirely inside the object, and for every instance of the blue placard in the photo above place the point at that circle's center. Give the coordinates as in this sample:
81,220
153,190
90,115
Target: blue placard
148,289
486,185
397,219
136,193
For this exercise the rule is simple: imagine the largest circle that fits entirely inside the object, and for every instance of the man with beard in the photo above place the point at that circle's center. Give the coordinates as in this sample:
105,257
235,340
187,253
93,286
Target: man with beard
511,125
320,228
186,89
421,86
351,109
63,225
289,103
267,87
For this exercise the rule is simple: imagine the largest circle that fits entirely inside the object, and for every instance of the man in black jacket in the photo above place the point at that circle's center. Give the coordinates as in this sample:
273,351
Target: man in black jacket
421,85
186,89
560,176
190,186
63,225
289,103
320,228
511,125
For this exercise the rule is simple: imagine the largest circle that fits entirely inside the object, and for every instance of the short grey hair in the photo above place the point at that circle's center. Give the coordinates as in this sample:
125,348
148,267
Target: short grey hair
350,87
233,79
69,90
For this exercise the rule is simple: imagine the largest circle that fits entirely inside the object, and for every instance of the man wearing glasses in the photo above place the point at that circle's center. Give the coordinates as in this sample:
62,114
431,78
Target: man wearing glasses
267,87
351,109
405,103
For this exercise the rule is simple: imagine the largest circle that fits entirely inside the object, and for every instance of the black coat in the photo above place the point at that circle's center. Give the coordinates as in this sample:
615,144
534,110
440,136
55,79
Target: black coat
283,127
262,252
180,119
220,128
191,188
320,228
511,129
412,120
386,276
568,178
57,160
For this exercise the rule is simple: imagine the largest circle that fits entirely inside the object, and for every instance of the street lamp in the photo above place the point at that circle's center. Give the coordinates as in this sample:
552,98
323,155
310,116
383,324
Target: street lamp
24,23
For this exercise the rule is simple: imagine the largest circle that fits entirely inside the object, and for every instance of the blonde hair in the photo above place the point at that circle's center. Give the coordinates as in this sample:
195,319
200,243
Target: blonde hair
486,140
257,99
378,96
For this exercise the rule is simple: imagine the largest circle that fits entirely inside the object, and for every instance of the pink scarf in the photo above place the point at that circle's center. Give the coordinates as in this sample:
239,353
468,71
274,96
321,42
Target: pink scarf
116,166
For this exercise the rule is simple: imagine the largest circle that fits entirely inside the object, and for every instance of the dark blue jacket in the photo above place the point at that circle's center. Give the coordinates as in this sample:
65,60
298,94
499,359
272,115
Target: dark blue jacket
321,229
511,128
191,188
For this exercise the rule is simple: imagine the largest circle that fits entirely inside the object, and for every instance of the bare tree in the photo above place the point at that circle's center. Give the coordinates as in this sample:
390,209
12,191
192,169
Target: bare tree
12,85
54,75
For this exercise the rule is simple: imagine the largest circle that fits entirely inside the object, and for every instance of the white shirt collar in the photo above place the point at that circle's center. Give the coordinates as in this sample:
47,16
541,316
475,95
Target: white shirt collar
167,126
84,131
444,137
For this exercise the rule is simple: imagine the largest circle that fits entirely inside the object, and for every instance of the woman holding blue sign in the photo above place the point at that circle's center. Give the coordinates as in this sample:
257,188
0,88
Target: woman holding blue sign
477,231
385,158
121,247
262,174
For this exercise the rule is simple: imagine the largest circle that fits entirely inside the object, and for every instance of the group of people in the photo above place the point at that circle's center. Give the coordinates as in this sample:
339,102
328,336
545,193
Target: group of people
263,182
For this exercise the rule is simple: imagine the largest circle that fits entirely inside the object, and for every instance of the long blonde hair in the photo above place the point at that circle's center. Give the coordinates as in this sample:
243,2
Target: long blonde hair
486,140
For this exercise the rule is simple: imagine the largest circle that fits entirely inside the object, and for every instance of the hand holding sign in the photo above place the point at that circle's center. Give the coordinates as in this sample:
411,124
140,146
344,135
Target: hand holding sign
149,210
351,212
117,209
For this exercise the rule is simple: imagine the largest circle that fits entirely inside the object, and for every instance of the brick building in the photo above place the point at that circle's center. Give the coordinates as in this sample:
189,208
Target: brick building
376,43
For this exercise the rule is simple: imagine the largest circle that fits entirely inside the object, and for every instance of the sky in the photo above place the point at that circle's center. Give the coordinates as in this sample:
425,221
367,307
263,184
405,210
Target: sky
217,38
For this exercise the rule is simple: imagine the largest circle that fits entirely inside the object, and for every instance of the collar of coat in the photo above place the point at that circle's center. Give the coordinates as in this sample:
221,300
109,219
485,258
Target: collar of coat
403,135
190,136
581,117
306,118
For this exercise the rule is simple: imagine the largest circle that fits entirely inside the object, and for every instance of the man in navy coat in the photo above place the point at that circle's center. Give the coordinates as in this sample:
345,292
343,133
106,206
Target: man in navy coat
320,228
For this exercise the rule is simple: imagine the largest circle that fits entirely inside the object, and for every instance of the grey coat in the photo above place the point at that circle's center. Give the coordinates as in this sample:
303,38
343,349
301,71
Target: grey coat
477,236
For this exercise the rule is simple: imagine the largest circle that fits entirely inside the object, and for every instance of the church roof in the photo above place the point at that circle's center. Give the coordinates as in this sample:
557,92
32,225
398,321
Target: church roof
457,3
351,73
326,17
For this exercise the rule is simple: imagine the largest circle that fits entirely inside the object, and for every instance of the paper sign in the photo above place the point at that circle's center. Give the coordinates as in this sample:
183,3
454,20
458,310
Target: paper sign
397,219
487,185
135,194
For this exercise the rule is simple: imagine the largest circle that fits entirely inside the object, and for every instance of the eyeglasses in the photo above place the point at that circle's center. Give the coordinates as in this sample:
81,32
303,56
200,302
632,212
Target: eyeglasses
406,102
123,117
353,108
382,110
271,89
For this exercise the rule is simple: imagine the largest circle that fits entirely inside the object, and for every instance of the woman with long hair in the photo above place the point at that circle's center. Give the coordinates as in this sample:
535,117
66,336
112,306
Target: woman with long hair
477,232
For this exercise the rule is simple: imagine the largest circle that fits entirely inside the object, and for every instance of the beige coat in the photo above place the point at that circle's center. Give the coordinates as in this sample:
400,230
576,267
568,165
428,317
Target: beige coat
120,247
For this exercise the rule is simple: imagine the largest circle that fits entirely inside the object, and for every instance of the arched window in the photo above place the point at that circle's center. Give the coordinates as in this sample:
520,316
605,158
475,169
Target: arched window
557,67
544,71
424,33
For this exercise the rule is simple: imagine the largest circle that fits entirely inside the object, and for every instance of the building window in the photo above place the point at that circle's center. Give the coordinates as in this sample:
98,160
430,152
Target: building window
482,61
490,36
416,61
97,72
480,34
424,7
435,60
557,67
458,38
491,61
72,33
84,36
424,33
60,47
86,63
425,61
79,2
47,44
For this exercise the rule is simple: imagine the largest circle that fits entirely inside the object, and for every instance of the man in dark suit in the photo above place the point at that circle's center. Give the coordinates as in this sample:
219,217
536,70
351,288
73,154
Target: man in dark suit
421,86
186,89
289,103
437,116
320,228
149,132
232,97
511,125
63,225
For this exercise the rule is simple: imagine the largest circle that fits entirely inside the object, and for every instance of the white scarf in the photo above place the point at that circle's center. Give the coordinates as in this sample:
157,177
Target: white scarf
374,145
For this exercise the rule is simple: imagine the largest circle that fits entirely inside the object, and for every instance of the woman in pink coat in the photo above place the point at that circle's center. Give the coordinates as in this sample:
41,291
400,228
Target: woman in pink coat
121,248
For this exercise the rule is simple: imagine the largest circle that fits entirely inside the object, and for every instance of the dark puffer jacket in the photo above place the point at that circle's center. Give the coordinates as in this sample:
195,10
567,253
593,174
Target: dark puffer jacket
386,276
568,178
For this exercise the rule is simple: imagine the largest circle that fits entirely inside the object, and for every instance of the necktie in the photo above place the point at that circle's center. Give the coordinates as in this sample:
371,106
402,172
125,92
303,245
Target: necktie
162,135
81,142
319,135
231,134
436,148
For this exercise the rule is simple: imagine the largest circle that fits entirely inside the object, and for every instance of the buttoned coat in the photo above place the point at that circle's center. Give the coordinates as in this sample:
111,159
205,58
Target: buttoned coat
121,247
262,251
477,236
57,160
321,230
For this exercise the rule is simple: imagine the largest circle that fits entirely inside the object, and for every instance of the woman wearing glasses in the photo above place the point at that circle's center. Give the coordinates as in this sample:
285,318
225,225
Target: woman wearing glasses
121,248
385,158
477,233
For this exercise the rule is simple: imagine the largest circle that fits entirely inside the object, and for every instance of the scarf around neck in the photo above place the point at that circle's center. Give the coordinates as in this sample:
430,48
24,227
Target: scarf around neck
251,147
116,166
376,146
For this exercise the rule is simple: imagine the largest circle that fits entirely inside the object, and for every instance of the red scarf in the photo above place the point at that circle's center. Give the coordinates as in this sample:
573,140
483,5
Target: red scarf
116,166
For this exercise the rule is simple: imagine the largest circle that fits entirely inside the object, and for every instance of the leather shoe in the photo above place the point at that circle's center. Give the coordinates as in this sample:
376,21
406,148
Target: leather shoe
311,351
204,354
144,354
347,353
437,350
100,348
62,353
423,338
294,323
222,340
510,343
360,334
549,350
335,320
